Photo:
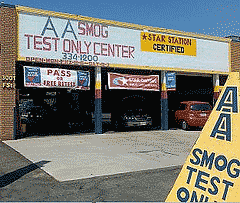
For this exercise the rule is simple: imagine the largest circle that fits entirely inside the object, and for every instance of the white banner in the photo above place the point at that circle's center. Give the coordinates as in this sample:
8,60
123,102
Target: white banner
49,39
56,78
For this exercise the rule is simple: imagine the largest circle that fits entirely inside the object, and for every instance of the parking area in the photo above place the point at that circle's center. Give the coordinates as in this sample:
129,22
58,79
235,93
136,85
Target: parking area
79,156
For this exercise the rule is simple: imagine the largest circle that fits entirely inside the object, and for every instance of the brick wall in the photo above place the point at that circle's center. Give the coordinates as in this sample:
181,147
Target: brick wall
235,56
8,57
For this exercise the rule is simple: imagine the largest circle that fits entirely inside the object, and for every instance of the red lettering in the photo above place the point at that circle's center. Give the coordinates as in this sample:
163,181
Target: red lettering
89,29
62,72
35,42
47,43
92,29
125,51
149,37
80,47
98,31
28,40
104,34
81,28
64,45
103,49
94,48
175,40
56,73
163,38
75,46
49,71
87,45
68,73
53,83
56,39
131,50
154,37
111,50
158,39
118,46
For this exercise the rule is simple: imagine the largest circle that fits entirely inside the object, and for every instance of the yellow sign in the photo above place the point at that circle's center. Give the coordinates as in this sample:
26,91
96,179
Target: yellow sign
211,171
167,44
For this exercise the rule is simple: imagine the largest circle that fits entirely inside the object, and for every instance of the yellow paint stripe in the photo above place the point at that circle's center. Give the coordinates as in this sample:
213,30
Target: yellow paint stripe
216,88
17,37
23,9
163,87
229,57
98,85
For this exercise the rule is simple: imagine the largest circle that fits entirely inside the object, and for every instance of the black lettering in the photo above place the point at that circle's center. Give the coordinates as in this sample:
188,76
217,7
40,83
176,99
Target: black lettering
49,28
226,188
163,47
185,191
190,173
196,156
207,159
194,197
215,191
219,158
233,161
71,30
199,179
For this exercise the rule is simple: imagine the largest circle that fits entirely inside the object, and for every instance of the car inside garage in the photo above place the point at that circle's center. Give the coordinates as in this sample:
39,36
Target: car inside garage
127,105
189,88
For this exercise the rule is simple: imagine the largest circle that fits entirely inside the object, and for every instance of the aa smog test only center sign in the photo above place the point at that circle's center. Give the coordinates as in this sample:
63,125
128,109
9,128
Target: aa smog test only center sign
74,40
211,171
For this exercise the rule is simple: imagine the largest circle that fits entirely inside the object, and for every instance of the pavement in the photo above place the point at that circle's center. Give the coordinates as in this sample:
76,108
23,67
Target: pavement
57,166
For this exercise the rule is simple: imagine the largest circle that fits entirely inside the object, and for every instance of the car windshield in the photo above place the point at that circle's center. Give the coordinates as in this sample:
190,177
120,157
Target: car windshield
200,107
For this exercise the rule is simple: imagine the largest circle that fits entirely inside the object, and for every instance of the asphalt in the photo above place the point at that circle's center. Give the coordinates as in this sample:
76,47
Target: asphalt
78,167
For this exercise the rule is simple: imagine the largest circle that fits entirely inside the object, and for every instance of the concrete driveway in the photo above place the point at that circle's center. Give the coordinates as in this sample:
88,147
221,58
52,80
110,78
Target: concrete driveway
72,157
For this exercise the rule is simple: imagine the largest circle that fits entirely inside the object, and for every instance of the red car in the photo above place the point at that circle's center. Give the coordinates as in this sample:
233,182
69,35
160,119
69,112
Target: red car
192,114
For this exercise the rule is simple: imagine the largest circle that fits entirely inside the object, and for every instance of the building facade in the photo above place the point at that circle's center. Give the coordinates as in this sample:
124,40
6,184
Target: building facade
79,74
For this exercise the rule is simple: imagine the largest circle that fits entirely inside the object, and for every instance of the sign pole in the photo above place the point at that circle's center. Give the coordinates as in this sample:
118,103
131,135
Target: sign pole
215,88
98,101
164,102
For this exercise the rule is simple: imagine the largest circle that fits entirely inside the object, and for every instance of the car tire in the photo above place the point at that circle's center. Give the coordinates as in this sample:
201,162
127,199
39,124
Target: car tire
184,125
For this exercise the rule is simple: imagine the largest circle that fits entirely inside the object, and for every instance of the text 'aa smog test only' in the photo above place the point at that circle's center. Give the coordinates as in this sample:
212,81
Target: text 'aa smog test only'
211,172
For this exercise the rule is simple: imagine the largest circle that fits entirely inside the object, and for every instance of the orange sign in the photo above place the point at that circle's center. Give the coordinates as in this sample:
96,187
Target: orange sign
167,44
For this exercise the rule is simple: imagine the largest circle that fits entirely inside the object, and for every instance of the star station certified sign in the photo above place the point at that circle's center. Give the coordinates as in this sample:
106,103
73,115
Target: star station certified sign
211,171
167,44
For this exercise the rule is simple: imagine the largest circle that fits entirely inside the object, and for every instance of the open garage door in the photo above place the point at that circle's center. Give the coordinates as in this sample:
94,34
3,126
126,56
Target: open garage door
131,109
189,88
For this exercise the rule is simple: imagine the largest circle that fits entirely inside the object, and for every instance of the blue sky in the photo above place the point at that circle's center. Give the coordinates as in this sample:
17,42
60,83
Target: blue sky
213,17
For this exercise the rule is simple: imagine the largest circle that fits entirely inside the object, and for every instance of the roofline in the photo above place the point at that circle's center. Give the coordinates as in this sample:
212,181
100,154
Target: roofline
24,9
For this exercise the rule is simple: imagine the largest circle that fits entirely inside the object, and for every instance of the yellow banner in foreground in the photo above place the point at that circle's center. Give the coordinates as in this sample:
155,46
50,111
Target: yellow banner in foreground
211,171
167,44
